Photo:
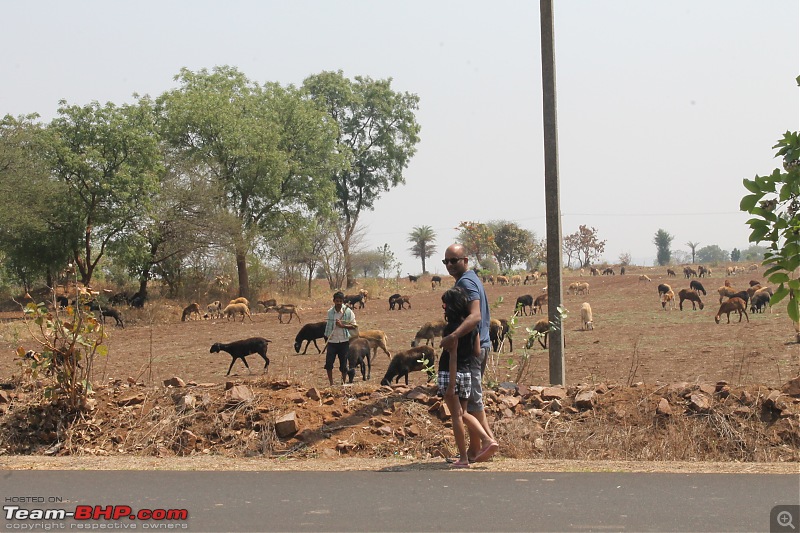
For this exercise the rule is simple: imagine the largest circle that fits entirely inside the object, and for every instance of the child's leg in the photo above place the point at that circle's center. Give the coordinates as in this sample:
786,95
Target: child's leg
456,413
488,446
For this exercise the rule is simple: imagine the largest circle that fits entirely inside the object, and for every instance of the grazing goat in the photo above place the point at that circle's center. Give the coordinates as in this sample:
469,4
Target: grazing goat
516,279
583,288
502,280
663,288
622,270
62,301
189,310
759,301
730,271
429,331
357,352
697,286
375,337
531,277
310,333
214,309
644,277
498,331
243,348
285,309
608,272
573,288
668,298
586,316
689,272
411,360
542,328
353,299
137,300
240,300
688,294
115,314
703,271
725,292
231,310
412,279
524,301
671,273
436,281
753,283
399,301
733,305
593,271
539,302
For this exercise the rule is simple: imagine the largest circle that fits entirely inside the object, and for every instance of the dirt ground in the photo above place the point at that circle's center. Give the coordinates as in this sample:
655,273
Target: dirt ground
634,343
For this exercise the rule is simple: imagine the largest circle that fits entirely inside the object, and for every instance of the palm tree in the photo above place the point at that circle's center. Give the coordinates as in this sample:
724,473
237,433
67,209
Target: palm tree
423,238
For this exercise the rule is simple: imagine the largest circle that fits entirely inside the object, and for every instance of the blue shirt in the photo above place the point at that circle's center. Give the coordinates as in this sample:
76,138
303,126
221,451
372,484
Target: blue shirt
470,282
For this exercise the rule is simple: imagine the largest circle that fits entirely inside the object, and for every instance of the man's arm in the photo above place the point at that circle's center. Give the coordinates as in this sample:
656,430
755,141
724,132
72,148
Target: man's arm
450,342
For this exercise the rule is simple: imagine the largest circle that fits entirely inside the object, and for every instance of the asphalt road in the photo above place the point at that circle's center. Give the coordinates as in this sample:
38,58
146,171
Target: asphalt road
405,501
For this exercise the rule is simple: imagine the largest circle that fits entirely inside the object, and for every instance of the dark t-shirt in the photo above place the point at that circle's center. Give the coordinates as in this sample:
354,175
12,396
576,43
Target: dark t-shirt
466,349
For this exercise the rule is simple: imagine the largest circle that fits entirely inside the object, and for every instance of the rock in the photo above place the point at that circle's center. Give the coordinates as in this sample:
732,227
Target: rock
313,393
296,398
746,398
344,446
187,403
523,390
507,388
283,384
774,401
507,413
418,396
664,409
336,413
136,399
792,387
555,405
385,430
412,430
444,411
538,443
229,385
510,401
699,402
328,401
707,388
286,425
132,381
554,393
188,440
240,394
174,382
330,453
585,399
5,397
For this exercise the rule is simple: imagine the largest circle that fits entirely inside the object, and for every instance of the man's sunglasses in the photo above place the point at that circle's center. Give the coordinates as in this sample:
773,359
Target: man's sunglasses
452,260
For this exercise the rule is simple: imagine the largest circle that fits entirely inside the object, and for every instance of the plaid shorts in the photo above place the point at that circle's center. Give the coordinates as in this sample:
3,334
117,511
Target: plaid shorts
463,383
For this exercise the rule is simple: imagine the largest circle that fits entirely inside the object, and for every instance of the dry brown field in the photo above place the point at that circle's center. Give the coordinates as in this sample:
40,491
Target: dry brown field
636,350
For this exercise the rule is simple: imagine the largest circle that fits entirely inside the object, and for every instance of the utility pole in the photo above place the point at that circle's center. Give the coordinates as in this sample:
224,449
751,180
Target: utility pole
552,195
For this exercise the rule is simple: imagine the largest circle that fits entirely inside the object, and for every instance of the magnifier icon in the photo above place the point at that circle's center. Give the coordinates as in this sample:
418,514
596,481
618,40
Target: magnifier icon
785,519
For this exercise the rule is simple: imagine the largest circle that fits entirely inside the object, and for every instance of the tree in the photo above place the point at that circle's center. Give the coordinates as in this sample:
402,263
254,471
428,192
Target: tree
269,149
625,259
774,202
693,246
423,238
754,252
569,244
368,262
712,254
478,240
588,247
377,136
35,228
663,242
736,255
388,262
514,245
107,157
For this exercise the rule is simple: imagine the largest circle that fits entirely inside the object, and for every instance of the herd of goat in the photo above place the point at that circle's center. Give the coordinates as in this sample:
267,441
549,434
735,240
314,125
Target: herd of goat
365,344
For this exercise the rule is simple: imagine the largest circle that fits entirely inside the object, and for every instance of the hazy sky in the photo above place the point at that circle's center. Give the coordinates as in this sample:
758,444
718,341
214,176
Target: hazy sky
663,107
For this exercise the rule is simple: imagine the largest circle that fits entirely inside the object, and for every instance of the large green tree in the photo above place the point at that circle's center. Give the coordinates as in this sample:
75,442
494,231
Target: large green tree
107,157
270,150
377,136
514,244
478,239
663,242
712,254
423,247
35,227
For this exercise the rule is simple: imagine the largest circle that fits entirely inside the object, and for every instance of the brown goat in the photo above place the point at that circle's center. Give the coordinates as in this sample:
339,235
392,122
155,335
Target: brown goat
688,294
189,310
733,305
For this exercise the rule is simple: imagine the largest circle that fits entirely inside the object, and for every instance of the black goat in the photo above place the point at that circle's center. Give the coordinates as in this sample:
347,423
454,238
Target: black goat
412,279
354,299
697,286
115,314
62,301
399,301
137,300
663,289
759,302
411,360
310,333
243,348
523,302
359,351
744,295
436,280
